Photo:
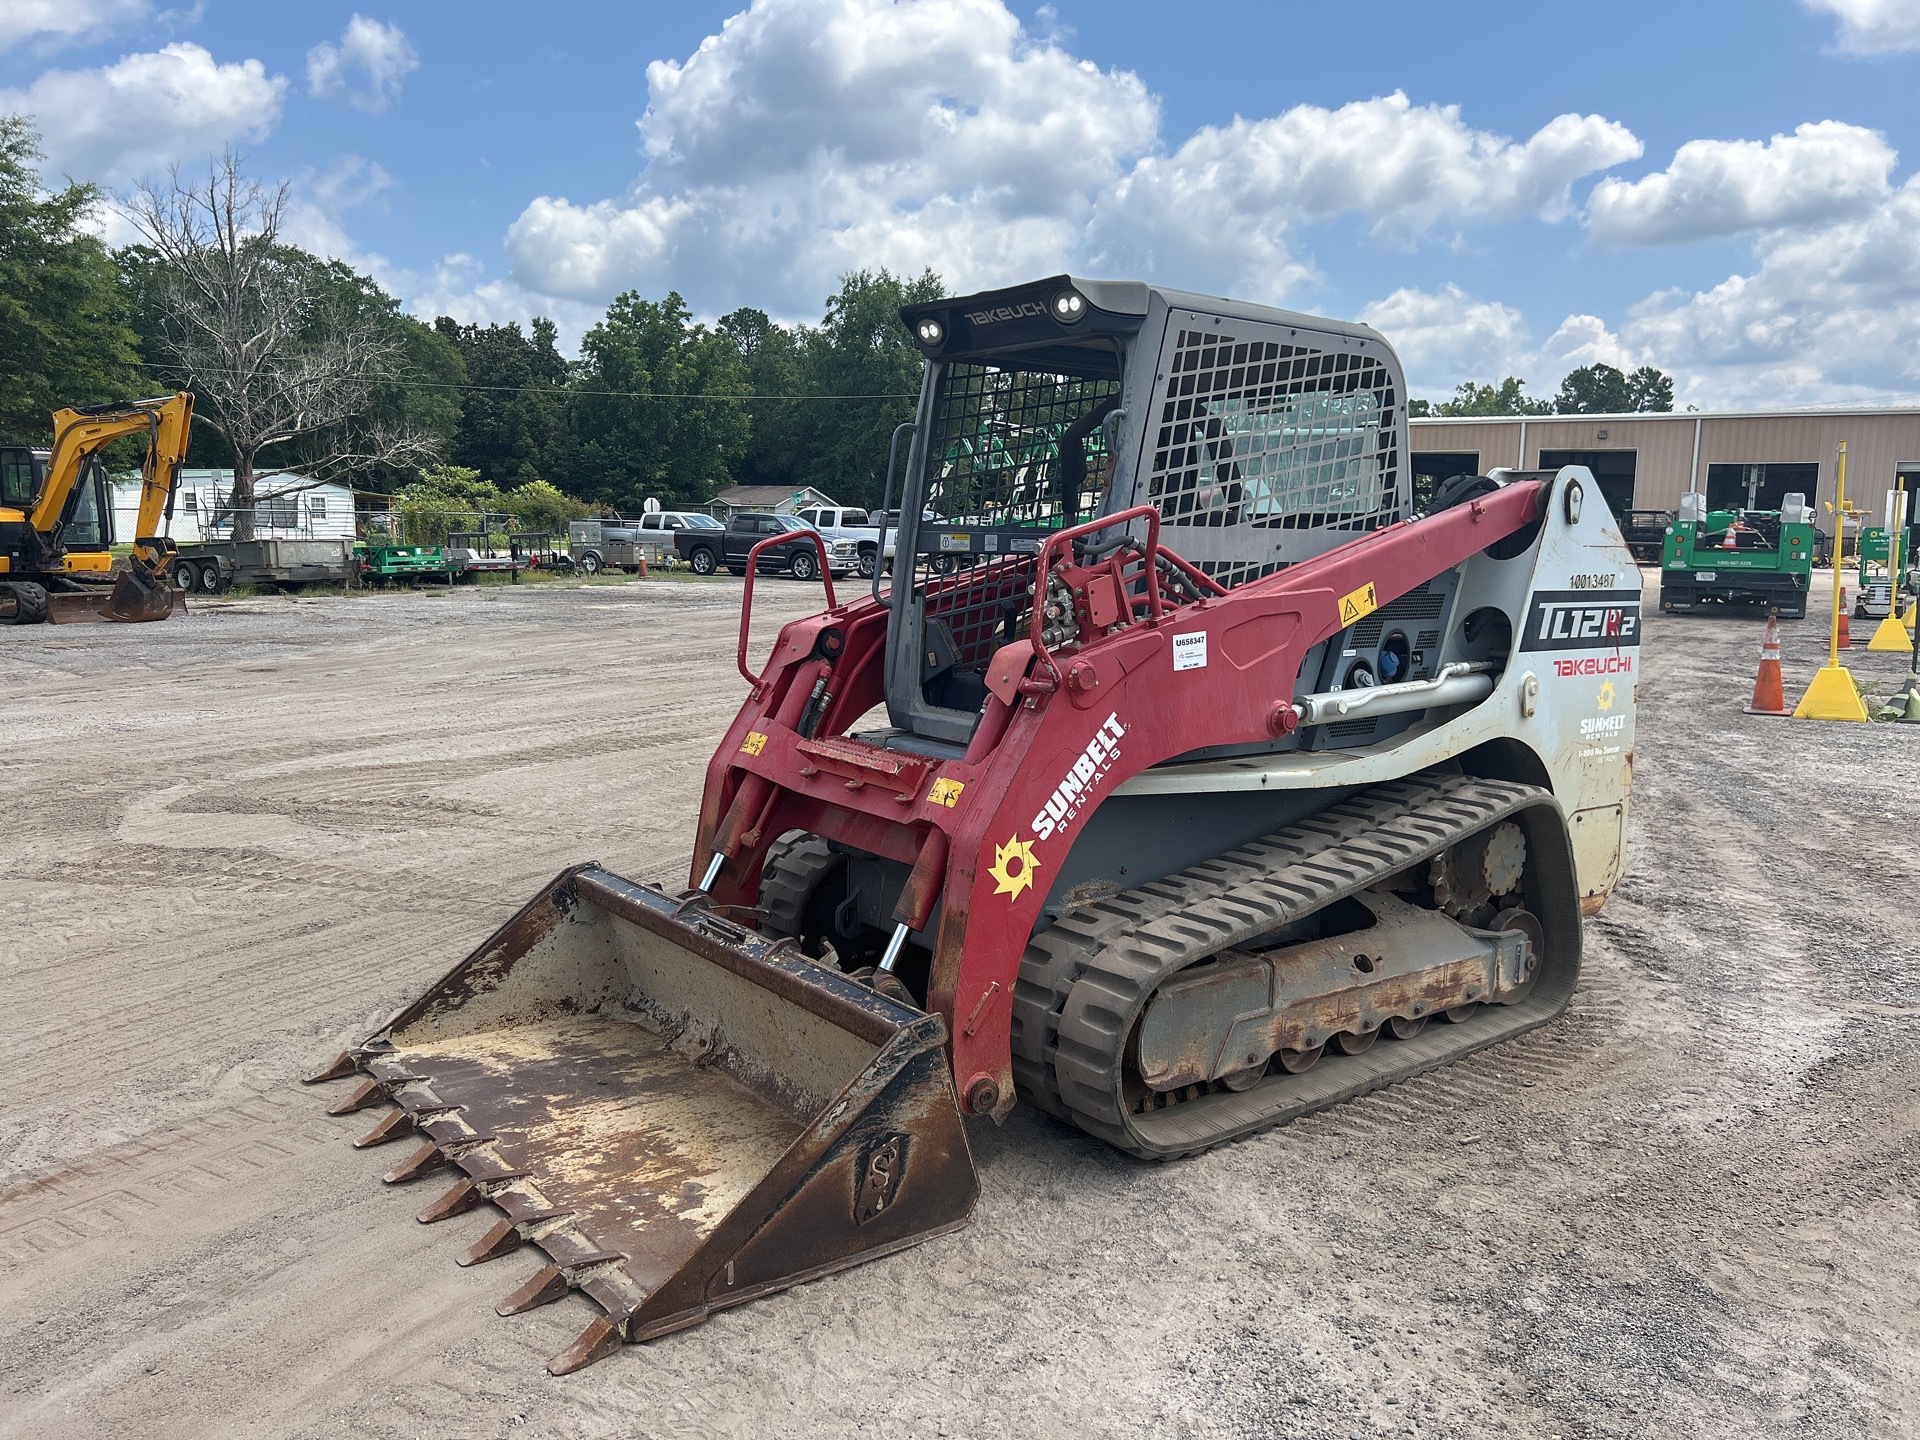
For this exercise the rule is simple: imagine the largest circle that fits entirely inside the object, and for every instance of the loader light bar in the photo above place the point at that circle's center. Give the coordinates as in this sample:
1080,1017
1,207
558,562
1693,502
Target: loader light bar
1069,306
930,331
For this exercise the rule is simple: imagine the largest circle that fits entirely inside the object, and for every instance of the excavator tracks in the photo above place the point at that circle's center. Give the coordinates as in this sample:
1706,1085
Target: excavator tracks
1086,982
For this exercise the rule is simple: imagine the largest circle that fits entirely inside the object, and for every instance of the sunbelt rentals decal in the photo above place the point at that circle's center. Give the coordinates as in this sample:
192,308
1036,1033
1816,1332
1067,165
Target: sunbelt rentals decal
1081,780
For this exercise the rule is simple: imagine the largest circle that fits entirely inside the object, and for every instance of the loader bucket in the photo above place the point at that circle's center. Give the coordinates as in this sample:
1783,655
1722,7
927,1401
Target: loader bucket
680,1114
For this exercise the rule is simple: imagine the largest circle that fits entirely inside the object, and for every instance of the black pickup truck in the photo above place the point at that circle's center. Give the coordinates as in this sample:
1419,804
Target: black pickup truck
705,551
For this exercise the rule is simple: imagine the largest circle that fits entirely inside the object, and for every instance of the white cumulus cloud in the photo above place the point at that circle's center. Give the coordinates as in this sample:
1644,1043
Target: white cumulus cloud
810,137
1825,314
144,111
365,69
64,22
1819,173
1873,27
1446,336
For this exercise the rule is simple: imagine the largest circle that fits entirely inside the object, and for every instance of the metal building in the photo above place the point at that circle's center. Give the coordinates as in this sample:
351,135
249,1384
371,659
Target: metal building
1747,460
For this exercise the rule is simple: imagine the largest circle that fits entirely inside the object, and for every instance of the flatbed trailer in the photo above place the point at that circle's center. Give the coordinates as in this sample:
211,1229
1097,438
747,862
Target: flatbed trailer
211,567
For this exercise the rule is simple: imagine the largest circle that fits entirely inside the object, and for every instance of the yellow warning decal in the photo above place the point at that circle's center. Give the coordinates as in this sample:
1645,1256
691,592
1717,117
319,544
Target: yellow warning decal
753,744
946,792
1357,606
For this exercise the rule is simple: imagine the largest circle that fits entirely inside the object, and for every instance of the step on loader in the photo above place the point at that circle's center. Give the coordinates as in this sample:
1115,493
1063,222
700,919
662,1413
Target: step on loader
1175,779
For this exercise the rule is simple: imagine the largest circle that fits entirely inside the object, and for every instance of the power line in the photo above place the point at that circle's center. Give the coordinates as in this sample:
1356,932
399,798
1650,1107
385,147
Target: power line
565,390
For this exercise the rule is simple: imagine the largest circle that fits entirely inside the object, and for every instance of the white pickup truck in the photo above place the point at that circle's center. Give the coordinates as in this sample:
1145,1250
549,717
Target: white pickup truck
844,522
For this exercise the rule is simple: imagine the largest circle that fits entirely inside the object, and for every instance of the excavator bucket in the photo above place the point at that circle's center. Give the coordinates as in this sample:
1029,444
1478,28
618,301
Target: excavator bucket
134,597
678,1113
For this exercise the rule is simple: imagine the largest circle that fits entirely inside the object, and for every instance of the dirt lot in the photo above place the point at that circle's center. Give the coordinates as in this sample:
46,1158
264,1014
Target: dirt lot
236,842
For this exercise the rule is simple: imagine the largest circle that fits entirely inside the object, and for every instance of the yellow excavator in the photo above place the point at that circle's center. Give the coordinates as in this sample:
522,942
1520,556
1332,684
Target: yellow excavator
56,517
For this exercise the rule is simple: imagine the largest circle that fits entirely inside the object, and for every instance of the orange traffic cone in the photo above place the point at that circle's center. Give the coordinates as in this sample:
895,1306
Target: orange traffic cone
1768,696
1846,630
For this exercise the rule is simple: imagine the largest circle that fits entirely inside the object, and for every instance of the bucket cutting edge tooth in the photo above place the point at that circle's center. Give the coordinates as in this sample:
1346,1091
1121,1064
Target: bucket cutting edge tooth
600,1339
371,1092
463,1197
391,1127
338,1068
427,1157
548,1284
503,1239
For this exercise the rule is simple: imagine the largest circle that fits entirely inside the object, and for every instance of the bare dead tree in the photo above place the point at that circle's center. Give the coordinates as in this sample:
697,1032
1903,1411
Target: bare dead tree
272,357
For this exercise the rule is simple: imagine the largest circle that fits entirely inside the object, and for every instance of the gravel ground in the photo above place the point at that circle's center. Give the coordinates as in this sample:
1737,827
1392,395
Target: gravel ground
238,841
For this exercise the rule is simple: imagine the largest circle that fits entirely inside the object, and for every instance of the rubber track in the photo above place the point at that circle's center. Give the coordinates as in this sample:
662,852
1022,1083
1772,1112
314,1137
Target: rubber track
1084,982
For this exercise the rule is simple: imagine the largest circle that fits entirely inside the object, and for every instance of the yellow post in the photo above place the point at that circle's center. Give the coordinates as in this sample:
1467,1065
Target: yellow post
1892,633
1832,695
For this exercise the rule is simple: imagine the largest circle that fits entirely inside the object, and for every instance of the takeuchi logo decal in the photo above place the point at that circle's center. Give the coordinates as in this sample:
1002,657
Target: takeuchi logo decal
1082,778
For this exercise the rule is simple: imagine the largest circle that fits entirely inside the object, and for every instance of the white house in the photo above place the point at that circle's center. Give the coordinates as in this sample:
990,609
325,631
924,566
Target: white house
285,506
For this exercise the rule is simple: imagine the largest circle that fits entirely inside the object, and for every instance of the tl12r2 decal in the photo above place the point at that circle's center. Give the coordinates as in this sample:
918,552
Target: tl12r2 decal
1582,620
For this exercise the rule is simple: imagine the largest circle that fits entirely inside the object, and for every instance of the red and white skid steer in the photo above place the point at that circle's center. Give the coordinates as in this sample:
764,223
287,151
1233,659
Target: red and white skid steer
1181,778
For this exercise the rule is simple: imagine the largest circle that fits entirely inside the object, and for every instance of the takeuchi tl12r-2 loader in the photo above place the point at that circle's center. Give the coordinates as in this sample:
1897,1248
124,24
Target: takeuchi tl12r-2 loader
1177,780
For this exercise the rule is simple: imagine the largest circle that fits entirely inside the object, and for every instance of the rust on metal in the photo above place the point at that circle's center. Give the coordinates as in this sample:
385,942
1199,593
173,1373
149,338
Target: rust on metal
428,1157
461,1198
502,1239
391,1127
372,1092
1229,1016
547,1285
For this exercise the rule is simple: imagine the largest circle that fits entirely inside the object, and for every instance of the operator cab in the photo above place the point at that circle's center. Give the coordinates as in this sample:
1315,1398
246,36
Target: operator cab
1263,437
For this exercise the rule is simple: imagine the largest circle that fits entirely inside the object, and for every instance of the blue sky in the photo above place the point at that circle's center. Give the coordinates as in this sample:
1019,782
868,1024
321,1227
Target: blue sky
1722,189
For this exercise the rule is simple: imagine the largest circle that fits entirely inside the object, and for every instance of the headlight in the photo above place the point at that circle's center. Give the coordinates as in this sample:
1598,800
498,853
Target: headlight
1069,306
930,331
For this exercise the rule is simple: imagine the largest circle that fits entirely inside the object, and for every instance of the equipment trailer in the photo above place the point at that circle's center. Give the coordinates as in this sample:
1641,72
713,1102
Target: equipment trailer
1200,775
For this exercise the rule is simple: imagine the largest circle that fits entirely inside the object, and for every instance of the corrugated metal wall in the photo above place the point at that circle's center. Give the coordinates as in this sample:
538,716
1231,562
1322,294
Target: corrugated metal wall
1878,442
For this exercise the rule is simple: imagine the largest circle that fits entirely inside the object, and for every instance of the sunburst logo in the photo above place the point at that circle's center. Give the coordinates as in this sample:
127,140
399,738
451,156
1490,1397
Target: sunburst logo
1606,697
1013,867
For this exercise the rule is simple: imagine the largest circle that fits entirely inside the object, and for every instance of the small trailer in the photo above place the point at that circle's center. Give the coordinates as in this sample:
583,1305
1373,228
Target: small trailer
383,562
210,567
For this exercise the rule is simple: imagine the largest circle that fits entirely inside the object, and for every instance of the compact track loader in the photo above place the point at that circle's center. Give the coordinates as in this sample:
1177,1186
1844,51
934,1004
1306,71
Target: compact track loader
1177,781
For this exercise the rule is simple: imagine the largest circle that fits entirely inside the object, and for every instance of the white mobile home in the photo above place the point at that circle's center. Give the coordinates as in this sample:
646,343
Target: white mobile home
285,506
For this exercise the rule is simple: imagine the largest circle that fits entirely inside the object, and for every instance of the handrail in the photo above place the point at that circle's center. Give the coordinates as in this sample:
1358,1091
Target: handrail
753,569
1063,539
886,504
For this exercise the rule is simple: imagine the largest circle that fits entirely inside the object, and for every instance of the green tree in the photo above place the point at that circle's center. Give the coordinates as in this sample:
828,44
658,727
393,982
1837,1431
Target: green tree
861,351
659,405
1509,397
540,505
1594,390
1649,389
64,332
515,422
777,364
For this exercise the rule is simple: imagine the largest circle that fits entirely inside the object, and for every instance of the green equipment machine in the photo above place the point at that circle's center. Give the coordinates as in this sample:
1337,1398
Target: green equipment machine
1755,559
1886,561
384,561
